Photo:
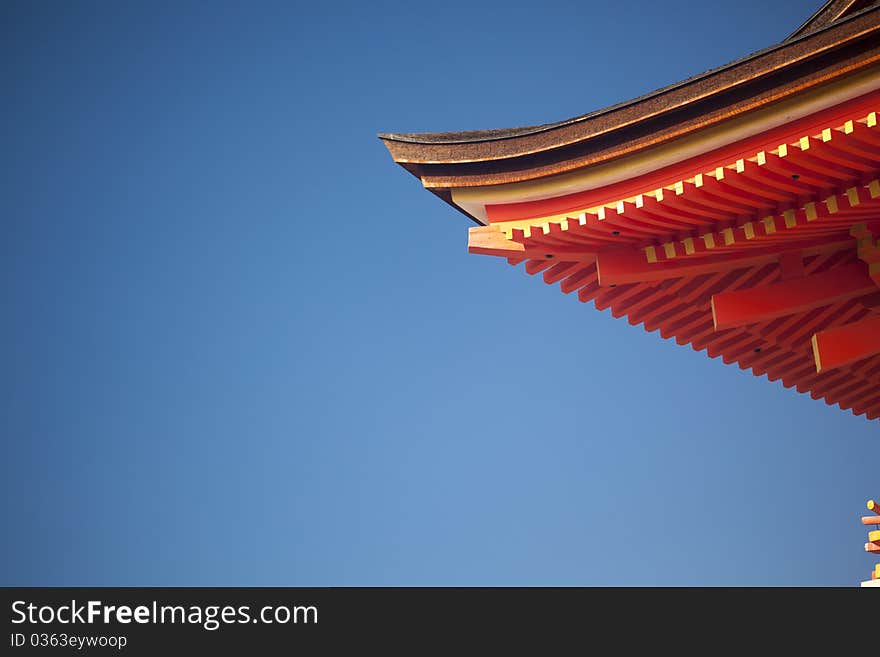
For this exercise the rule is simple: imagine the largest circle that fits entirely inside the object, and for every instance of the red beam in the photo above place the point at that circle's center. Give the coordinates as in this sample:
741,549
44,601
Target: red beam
621,267
791,265
632,266
797,295
846,344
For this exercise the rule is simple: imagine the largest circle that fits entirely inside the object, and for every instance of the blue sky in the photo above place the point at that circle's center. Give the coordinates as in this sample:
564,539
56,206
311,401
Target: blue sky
242,347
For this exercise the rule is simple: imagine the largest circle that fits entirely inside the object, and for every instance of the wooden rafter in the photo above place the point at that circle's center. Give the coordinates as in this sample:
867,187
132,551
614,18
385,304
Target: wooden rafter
796,295
747,261
846,344
629,266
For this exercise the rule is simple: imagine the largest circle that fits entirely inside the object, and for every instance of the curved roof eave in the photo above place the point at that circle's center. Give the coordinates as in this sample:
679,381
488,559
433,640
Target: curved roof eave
493,145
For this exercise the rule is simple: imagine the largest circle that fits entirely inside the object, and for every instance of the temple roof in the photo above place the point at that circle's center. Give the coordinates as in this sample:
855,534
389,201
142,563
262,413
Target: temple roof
737,212
819,52
771,262
831,12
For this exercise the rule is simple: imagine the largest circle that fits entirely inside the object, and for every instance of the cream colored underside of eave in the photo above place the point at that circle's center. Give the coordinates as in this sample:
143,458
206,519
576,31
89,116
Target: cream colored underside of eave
474,199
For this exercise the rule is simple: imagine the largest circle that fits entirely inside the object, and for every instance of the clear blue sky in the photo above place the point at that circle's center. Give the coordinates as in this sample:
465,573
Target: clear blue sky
240,346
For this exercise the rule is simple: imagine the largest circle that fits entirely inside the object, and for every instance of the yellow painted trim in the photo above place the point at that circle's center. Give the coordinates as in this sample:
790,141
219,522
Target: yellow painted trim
816,357
810,209
729,237
636,164
852,195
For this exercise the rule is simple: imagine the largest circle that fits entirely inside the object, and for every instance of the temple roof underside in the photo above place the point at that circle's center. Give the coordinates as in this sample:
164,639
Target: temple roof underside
748,227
